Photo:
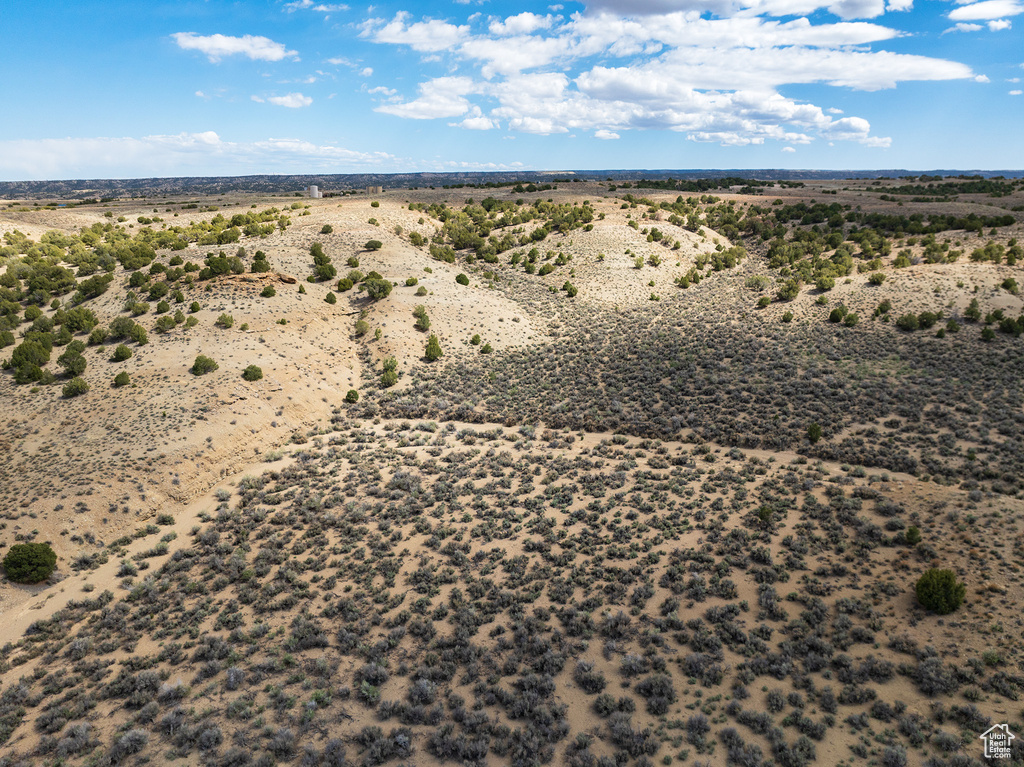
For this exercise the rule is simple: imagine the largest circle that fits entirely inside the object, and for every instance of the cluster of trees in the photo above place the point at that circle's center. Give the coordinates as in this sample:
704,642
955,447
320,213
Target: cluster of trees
471,227
323,269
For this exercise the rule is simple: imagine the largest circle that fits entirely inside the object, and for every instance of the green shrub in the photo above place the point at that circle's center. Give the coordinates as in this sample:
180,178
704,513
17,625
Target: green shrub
138,334
787,317
475,340
913,535
375,204
30,562
570,289
825,282
422,320
939,591
72,361
486,348
331,298
268,292
352,397
122,379
814,432
260,263
203,365
29,372
326,229
344,284
31,351
850,320
763,302
988,334
225,321
362,327
433,351
908,322
165,324
373,245
837,314
98,336
421,291
877,278
388,379
194,307
411,281
75,386
252,373
462,279
973,310
377,289
789,290
6,338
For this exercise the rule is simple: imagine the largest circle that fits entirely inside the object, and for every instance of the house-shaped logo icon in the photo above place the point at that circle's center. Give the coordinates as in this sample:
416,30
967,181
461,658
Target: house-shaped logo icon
997,741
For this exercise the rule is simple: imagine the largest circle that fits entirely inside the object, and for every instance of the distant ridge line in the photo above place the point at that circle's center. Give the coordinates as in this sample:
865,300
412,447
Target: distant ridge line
289,183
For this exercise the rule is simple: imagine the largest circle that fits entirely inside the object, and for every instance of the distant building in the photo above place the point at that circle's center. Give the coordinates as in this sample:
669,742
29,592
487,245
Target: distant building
374,189
314,191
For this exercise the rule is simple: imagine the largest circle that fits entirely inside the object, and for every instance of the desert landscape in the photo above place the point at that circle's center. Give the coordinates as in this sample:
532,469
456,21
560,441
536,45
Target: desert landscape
575,471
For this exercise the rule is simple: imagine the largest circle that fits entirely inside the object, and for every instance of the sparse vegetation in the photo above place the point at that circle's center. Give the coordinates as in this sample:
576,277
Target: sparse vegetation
622,530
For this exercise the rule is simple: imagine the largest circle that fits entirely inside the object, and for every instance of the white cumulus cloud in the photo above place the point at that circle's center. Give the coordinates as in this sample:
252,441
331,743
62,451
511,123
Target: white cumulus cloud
291,100
476,121
711,69
427,35
988,9
216,47
522,24
441,97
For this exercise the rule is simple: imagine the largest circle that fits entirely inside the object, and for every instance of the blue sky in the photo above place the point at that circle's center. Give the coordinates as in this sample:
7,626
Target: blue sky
134,89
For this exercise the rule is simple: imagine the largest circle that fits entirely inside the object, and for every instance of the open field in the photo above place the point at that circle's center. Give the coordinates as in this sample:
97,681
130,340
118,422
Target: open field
663,499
